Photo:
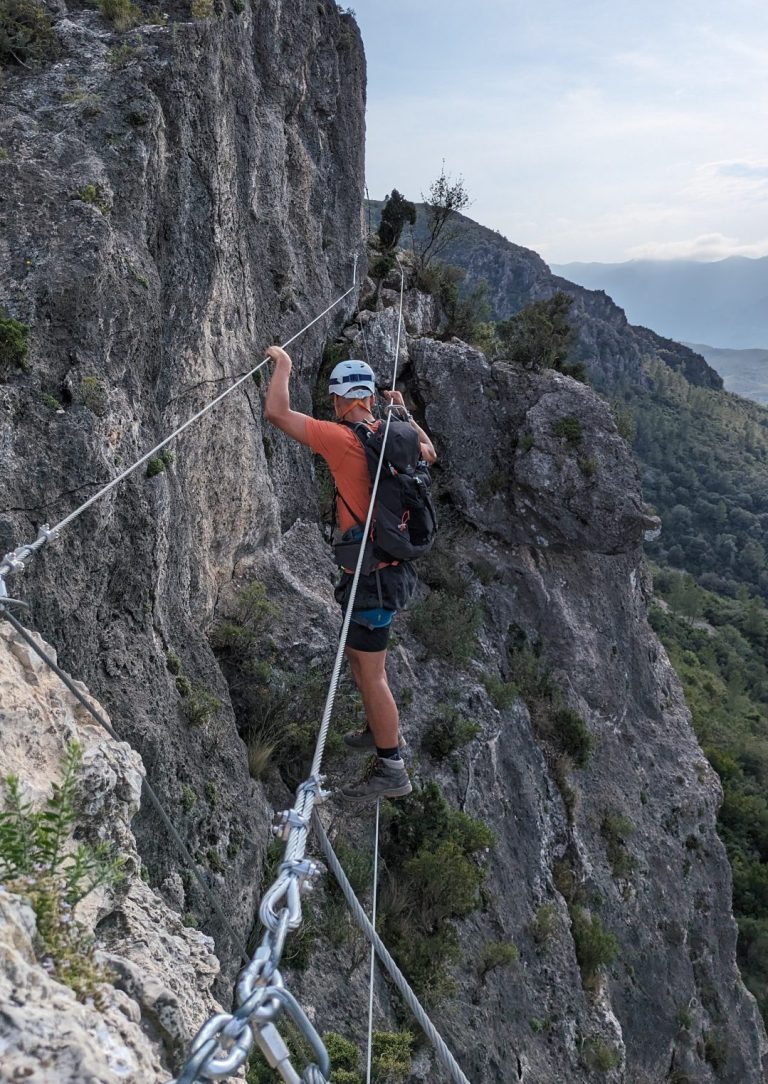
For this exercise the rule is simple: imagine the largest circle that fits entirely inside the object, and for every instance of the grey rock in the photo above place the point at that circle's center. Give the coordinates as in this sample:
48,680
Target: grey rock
161,973
226,158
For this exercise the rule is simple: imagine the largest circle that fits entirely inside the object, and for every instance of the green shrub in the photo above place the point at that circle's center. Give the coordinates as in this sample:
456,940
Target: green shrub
568,427
715,1050
254,612
600,1055
50,402
381,266
14,343
544,923
596,949
201,706
572,734
92,394
497,954
616,830
588,467
683,1018
448,732
502,693
27,38
343,1054
183,685
447,626
188,798
541,337
625,423
173,663
395,214
485,339
431,879
155,466
122,14
39,861
391,1056
201,9
91,193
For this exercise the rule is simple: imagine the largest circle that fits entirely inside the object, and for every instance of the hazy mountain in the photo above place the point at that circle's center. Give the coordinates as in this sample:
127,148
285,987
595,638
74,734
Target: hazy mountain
725,302
744,372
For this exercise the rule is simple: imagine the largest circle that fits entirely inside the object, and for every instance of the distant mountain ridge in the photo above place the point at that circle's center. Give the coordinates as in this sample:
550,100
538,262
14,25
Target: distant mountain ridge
724,303
514,276
745,372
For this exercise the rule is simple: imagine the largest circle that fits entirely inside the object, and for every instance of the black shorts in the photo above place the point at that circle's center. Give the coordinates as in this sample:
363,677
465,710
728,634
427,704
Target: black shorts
361,638
390,587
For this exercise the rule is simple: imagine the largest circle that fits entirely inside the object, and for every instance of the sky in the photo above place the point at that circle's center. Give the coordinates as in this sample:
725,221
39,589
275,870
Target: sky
586,130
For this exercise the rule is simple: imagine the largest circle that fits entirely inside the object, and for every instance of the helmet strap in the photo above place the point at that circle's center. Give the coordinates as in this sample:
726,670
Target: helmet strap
351,407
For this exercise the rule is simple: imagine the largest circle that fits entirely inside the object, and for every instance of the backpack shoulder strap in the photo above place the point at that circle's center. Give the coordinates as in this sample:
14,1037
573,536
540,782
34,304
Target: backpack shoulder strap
340,495
363,438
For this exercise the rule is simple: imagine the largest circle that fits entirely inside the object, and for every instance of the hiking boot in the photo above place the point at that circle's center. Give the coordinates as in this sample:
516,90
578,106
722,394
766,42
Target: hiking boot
362,741
388,779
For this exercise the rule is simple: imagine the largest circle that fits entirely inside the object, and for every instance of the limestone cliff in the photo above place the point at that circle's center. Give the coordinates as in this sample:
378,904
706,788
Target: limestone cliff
172,200
201,196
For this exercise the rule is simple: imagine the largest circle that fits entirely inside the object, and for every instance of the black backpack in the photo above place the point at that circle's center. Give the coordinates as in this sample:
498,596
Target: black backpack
404,520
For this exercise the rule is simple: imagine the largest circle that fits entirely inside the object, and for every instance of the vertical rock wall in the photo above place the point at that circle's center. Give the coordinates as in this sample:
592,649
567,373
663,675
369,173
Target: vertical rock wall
172,200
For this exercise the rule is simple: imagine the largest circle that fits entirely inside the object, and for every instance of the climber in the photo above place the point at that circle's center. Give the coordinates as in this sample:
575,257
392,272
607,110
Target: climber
381,592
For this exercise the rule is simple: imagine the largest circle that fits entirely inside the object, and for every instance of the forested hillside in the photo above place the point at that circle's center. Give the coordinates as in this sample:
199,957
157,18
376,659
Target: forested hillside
718,648
704,451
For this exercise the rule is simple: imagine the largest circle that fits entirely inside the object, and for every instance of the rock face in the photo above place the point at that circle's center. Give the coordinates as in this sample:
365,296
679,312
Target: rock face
172,202
201,196
545,533
162,973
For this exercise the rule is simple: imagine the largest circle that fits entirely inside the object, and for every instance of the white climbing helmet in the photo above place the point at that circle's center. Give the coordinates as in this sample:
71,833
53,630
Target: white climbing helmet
352,380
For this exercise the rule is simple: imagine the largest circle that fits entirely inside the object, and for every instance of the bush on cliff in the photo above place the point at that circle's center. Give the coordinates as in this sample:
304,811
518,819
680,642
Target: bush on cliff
432,877
40,861
27,38
396,213
14,344
540,336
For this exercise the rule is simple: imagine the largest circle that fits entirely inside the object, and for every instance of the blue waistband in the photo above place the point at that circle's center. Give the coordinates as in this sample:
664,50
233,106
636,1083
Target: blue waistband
373,619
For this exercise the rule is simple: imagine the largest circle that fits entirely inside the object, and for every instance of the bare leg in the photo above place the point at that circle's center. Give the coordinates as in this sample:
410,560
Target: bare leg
370,676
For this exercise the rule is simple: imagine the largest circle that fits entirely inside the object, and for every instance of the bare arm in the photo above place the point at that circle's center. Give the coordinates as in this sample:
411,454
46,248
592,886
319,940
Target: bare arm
428,453
277,408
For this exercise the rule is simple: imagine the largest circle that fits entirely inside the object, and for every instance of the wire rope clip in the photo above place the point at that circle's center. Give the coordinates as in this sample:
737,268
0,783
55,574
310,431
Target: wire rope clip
286,821
304,870
313,786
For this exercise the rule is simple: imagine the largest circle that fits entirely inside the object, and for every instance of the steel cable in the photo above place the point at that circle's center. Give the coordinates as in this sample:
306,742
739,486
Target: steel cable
13,561
445,1057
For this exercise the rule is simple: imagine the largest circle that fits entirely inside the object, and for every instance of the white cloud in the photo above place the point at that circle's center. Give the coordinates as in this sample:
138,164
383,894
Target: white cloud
706,248
739,179
579,136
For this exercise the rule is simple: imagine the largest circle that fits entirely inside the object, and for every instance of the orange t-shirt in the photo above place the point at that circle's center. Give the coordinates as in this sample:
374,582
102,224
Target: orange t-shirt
343,453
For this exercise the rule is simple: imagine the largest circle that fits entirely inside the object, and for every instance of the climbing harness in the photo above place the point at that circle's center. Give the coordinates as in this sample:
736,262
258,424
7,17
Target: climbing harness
224,1043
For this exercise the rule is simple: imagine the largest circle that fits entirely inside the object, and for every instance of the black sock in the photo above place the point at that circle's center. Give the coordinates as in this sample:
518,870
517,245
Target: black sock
388,754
